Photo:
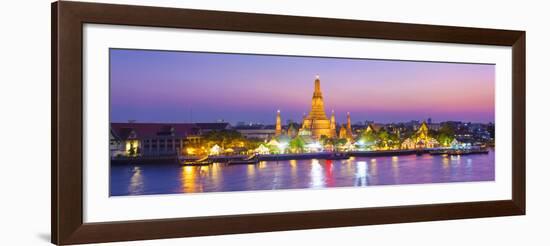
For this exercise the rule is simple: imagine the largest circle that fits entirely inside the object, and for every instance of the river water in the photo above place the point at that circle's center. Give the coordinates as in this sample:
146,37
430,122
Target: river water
300,174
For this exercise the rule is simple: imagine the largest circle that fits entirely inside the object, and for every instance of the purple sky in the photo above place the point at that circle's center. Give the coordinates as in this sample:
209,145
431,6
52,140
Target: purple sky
164,86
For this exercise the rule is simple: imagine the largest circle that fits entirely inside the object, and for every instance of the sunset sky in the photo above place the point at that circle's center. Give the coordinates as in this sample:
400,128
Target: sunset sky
164,86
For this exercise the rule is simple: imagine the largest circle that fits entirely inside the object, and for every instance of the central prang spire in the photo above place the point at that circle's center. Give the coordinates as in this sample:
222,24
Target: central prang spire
317,90
316,124
317,104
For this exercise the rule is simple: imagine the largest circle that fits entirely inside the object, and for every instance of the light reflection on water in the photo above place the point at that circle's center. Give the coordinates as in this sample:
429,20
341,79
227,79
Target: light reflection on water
361,174
316,174
300,174
136,181
395,168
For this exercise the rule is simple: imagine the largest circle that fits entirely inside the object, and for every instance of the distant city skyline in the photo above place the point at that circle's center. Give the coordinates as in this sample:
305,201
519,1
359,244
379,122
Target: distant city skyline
168,86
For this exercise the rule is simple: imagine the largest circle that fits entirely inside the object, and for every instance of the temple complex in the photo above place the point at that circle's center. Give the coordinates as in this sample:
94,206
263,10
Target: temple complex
420,139
342,133
316,123
370,129
292,131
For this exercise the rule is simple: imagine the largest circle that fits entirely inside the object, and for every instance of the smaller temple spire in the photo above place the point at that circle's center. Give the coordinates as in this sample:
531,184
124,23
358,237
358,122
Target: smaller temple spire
349,132
278,128
348,126
332,121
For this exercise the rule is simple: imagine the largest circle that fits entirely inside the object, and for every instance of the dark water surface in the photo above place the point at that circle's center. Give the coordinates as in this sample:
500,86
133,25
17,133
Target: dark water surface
300,174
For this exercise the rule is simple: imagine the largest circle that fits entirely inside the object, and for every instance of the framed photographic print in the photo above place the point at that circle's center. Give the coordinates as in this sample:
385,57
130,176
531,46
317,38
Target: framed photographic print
174,122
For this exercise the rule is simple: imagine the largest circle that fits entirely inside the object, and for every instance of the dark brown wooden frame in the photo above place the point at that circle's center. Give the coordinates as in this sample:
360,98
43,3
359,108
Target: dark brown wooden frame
67,206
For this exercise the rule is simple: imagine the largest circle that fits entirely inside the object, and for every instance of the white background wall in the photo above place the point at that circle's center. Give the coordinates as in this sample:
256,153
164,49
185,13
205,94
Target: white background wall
25,124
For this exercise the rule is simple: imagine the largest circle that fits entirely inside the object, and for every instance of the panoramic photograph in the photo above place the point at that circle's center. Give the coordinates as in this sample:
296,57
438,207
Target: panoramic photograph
198,122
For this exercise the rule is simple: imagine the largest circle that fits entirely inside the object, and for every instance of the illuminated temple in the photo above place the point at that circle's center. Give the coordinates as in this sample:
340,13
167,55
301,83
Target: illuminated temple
316,123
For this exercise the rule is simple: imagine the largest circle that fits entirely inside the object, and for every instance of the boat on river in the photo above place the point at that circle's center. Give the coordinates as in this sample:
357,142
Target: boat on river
337,156
459,151
199,162
251,160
